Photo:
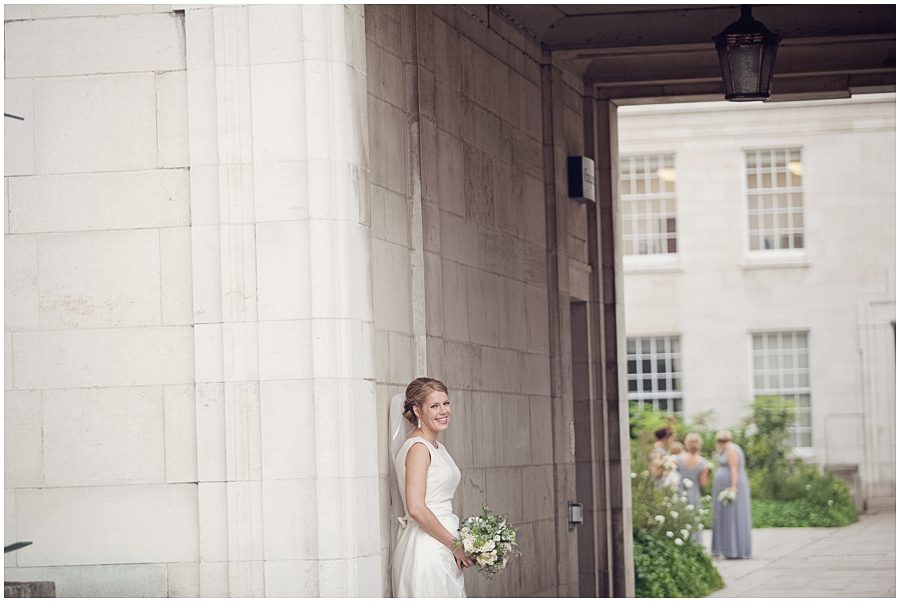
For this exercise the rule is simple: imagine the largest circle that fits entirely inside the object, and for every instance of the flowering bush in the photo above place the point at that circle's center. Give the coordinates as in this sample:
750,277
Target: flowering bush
489,539
663,568
663,511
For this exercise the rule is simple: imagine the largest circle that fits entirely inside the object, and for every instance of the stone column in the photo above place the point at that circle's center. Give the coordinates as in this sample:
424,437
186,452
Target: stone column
286,430
557,199
613,396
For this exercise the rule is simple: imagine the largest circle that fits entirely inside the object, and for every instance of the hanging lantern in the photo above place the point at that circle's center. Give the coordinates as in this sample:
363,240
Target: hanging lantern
747,58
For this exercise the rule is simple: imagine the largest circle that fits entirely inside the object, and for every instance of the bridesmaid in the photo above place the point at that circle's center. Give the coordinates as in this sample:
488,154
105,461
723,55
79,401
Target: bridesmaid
731,521
658,453
694,468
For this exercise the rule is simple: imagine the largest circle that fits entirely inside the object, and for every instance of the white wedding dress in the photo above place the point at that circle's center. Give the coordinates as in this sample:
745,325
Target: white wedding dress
423,567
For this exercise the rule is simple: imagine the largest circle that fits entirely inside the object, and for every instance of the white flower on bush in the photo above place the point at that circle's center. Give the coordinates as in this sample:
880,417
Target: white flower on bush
702,511
808,486
687,483
634,475
645,473
685,533
659,518
673,514
689,507
699,526
678,541
831,502
669,534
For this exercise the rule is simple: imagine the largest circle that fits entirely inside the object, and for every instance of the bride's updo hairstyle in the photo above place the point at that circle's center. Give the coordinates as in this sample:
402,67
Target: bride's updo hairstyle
416,393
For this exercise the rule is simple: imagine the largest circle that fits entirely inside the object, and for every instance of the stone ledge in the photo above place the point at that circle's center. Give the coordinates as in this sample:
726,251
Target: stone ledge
29,589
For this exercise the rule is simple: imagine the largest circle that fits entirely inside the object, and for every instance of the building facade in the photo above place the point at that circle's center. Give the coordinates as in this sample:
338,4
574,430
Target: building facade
762,262
234,232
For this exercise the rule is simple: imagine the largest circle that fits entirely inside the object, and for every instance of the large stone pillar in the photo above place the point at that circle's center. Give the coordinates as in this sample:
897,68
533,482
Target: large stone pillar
606,251
286,429
563,427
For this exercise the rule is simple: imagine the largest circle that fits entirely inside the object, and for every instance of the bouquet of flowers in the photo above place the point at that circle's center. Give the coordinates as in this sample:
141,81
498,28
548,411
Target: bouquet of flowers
726,496
489,539
668,464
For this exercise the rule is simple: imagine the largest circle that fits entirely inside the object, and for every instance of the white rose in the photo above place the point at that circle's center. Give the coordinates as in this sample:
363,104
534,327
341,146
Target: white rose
490,545
487,558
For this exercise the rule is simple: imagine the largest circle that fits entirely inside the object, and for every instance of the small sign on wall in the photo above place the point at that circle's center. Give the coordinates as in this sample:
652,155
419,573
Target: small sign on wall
581,179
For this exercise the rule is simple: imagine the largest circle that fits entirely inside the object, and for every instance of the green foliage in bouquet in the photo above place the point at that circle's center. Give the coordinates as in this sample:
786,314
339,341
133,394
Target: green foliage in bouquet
489,539
663,569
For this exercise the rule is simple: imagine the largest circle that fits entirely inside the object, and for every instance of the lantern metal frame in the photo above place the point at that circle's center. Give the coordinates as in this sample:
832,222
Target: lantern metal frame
747,58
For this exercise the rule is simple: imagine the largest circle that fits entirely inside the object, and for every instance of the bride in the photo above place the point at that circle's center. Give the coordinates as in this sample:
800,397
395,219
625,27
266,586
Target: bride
426,562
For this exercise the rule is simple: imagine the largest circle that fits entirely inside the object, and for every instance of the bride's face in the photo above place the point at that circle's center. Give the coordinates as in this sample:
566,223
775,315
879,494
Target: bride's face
435,412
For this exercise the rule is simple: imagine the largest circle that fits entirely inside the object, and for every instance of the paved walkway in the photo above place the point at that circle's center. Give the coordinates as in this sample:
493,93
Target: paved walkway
854,561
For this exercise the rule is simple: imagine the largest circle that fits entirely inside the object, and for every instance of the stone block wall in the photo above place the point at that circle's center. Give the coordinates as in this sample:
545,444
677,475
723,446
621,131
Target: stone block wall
457,182
190,399
99,397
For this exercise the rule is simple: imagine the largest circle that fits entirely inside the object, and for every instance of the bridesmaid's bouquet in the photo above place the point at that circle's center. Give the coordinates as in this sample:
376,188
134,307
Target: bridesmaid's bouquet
489,539
726,496
668,464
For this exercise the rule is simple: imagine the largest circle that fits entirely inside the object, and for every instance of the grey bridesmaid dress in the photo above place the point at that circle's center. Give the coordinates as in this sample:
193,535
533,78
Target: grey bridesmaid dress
692,492
731,522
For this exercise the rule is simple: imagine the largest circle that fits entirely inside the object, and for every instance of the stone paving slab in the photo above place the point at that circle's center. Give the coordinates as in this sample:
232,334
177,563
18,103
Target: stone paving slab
856,561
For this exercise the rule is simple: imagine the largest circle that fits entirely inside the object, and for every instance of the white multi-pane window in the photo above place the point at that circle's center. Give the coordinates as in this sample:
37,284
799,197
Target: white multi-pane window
774,199
647,196
781,368
654,373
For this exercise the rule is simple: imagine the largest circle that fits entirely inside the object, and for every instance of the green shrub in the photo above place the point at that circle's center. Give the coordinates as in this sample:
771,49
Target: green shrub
663,569
667,562
800,513
767,445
